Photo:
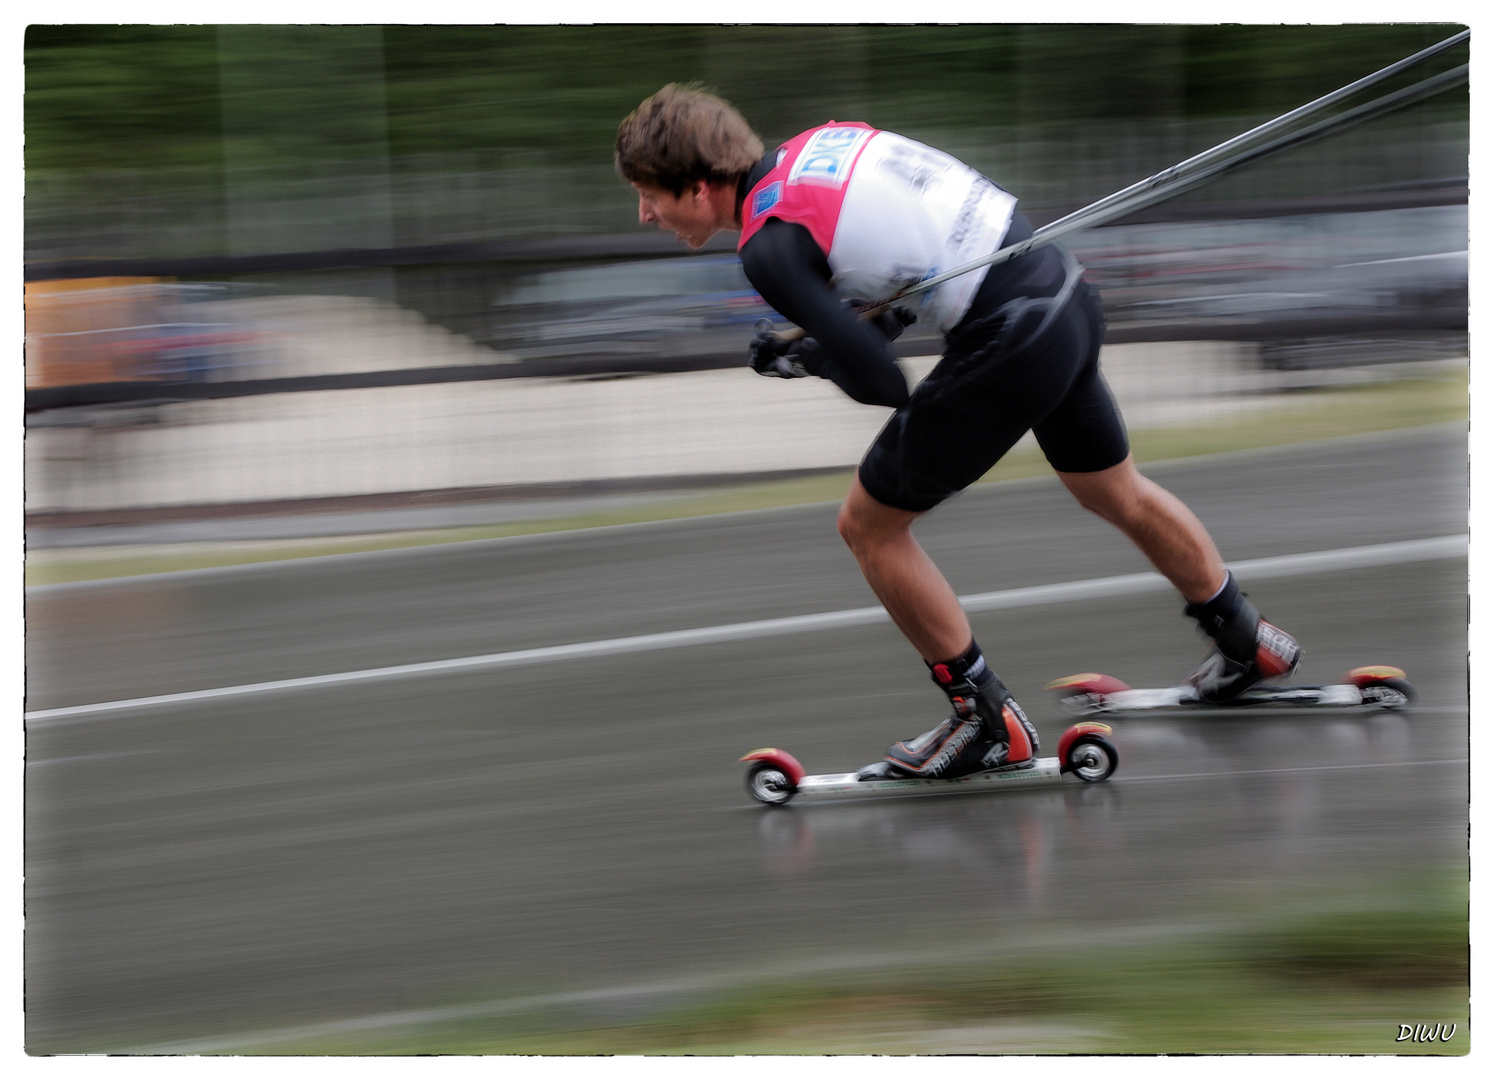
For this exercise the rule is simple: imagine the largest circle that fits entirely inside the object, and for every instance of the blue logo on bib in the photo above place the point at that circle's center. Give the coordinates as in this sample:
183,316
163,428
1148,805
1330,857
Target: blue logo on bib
767,198
827,156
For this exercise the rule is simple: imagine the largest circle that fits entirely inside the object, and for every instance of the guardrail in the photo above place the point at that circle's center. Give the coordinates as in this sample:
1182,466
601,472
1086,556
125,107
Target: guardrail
1156,290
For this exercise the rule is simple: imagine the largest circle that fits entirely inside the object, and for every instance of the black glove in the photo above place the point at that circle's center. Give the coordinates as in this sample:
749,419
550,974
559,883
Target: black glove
890,321
776,358
779,359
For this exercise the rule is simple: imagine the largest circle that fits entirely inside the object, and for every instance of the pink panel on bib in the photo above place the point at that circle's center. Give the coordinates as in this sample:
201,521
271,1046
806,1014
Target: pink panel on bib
808,185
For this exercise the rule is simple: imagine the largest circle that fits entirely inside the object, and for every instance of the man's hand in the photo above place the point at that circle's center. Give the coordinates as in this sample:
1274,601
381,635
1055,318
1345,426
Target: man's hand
890,321
775,357
778,358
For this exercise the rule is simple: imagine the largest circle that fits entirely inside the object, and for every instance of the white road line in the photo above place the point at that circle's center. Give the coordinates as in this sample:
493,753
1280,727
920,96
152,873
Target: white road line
1437,547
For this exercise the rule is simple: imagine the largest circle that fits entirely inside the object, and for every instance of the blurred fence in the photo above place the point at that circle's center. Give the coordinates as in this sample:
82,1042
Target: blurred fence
437,199
527,311
448,324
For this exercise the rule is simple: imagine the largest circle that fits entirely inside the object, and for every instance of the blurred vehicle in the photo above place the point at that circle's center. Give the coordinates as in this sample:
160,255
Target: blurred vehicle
1265,279
102,330
94,343
648,307
1384,274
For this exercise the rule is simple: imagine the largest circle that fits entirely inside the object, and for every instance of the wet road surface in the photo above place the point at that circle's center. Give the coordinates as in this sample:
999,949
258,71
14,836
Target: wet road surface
201,871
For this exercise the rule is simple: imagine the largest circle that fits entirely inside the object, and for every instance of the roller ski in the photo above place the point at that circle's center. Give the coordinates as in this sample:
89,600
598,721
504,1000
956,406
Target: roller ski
1092,694
1248,654
987,742
1084,751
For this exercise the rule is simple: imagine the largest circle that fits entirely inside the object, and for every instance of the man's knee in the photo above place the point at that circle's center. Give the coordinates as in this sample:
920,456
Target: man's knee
846,524
1115,494
854,525
864,524
1111,502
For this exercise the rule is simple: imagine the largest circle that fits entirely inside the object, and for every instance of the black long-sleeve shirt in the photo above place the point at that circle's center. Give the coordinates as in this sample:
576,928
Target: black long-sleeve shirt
787,267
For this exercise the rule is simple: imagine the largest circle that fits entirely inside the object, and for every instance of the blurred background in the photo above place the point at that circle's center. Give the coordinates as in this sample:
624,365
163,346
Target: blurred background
376,293
216,216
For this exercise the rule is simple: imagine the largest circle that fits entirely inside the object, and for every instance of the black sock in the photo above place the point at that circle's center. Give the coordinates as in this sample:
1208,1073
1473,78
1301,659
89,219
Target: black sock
971,664
1229,619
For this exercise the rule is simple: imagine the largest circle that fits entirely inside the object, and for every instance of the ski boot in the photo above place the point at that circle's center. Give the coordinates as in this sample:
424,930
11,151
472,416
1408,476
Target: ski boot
1247,649
988,730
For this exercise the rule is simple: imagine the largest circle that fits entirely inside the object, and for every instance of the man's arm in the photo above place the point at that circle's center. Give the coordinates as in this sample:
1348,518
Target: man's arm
789,270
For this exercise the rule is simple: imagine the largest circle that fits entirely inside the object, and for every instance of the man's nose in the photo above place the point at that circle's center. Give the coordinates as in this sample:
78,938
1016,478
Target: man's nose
645,215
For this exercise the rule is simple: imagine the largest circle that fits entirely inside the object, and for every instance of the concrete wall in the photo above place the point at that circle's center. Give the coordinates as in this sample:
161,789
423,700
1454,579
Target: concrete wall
522,431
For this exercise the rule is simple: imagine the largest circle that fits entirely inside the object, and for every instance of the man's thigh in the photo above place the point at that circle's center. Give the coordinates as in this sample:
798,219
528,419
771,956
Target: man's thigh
975,405
1084,433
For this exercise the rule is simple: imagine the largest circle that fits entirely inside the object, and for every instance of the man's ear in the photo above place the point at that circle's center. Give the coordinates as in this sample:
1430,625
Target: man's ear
700,191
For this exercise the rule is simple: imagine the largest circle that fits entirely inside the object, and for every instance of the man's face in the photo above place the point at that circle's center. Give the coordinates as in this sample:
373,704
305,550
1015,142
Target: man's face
691,216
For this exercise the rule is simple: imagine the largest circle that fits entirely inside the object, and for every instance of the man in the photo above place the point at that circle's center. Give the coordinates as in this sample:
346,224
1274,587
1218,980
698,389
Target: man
844,214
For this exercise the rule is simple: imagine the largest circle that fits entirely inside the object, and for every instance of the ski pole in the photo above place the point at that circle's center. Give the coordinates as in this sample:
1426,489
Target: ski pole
1147,193
1097,214
1189,173
1166,176
1390,102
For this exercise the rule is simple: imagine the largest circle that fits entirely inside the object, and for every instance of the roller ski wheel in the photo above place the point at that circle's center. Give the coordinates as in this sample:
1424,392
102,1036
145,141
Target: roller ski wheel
1089,755
774,776
1376,687
769,782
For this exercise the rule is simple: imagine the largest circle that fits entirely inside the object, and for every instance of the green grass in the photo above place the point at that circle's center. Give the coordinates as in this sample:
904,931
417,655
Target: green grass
1333,977
1299,417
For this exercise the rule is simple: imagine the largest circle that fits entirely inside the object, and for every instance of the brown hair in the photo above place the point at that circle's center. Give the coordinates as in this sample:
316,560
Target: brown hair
683,134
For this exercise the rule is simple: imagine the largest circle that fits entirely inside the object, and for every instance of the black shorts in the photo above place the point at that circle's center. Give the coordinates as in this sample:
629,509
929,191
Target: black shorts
1001,376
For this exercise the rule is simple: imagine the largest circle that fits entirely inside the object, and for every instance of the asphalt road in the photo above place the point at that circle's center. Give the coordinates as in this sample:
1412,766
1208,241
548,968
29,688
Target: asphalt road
205,870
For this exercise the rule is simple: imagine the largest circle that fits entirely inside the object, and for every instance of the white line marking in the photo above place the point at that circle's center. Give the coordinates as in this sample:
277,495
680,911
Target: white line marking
1408,258
1312,562
89,757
